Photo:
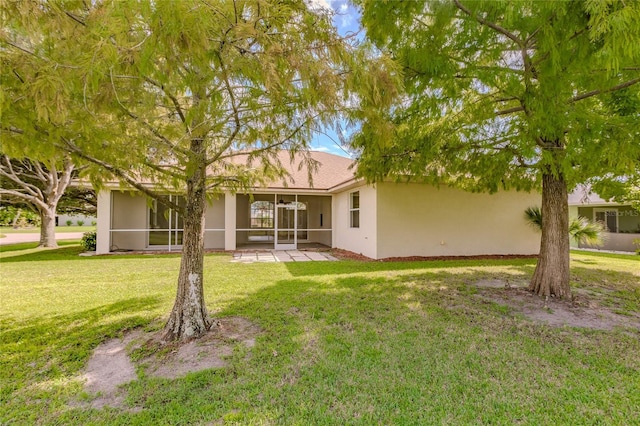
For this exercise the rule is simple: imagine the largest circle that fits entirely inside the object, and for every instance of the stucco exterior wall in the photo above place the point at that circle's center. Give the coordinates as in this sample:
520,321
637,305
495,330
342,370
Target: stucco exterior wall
361,240
421,220
129,211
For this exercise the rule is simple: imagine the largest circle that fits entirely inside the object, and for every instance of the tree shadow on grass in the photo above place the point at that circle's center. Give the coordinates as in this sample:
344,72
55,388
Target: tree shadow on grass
402,349
40,356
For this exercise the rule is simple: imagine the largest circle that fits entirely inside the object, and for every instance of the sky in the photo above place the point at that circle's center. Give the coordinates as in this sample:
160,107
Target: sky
346,19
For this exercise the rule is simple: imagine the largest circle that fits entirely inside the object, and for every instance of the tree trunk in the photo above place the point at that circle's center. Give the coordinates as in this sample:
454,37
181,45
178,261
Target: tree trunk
189,318
48,228
551,277
16,218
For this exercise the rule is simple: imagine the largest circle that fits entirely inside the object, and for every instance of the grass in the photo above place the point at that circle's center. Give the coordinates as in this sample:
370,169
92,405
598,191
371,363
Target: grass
36,230
342,343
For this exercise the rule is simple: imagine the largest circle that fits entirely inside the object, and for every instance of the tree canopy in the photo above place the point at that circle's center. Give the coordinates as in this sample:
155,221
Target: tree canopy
494,91
529,95
194,97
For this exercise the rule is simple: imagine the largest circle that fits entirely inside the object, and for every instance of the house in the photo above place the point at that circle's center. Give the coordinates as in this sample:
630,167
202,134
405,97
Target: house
621,221
332,209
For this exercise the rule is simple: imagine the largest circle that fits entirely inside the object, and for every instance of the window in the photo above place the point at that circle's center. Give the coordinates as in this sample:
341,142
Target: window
608,217
354,209
262,215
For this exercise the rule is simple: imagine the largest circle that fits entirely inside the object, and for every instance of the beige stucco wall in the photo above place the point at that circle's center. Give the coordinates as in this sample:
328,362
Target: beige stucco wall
421,220
129,211
361,240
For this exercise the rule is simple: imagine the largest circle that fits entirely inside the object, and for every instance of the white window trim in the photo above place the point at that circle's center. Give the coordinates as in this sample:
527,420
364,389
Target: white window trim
605,210
352,209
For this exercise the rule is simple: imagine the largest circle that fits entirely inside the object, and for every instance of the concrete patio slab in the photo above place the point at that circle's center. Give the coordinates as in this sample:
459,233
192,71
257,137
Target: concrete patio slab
251,256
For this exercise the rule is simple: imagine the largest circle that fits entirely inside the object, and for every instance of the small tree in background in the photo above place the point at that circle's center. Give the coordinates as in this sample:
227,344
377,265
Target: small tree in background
39,185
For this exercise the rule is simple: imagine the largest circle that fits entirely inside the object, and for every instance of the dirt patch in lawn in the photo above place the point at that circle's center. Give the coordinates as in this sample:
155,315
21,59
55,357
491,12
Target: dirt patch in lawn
585,311
111,364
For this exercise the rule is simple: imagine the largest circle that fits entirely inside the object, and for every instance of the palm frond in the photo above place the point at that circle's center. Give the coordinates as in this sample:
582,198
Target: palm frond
534,217
586,231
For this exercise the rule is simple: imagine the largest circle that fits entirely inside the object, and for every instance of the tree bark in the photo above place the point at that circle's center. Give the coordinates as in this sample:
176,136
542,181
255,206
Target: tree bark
189,318
48,228
551,276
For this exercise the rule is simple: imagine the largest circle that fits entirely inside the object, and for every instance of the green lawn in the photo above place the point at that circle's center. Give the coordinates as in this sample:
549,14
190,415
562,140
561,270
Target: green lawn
36,230
342,343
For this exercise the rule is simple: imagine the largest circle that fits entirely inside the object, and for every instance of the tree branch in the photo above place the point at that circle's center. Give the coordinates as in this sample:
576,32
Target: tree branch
599,91
35,201
147,125
75,18
123,176
173,99
8,171
490,24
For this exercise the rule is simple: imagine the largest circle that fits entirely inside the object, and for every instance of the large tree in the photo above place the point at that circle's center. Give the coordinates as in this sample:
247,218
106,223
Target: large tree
195,97
509,94
40,185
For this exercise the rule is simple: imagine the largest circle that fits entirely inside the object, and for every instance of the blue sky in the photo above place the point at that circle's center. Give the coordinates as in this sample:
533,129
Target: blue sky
347,20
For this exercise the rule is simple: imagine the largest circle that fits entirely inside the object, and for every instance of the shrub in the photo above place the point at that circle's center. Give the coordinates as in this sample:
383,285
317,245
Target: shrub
69,222
89,241
636,243
94,223
80,222
26,218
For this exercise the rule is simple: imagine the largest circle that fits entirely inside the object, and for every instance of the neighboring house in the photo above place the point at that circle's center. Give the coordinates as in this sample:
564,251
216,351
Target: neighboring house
622,222
334,210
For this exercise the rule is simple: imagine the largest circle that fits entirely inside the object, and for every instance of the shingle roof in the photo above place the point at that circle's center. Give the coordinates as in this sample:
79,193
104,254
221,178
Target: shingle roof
583,195
331,170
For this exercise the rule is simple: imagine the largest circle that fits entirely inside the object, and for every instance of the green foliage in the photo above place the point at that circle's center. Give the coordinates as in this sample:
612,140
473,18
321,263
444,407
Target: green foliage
80,222
243,79
25,217
497,93
624,191
89,240
586,231
69,222
534,217
580,228
636,243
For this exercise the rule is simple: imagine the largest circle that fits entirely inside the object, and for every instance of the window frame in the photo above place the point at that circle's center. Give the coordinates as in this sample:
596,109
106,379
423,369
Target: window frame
606,210
354,212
